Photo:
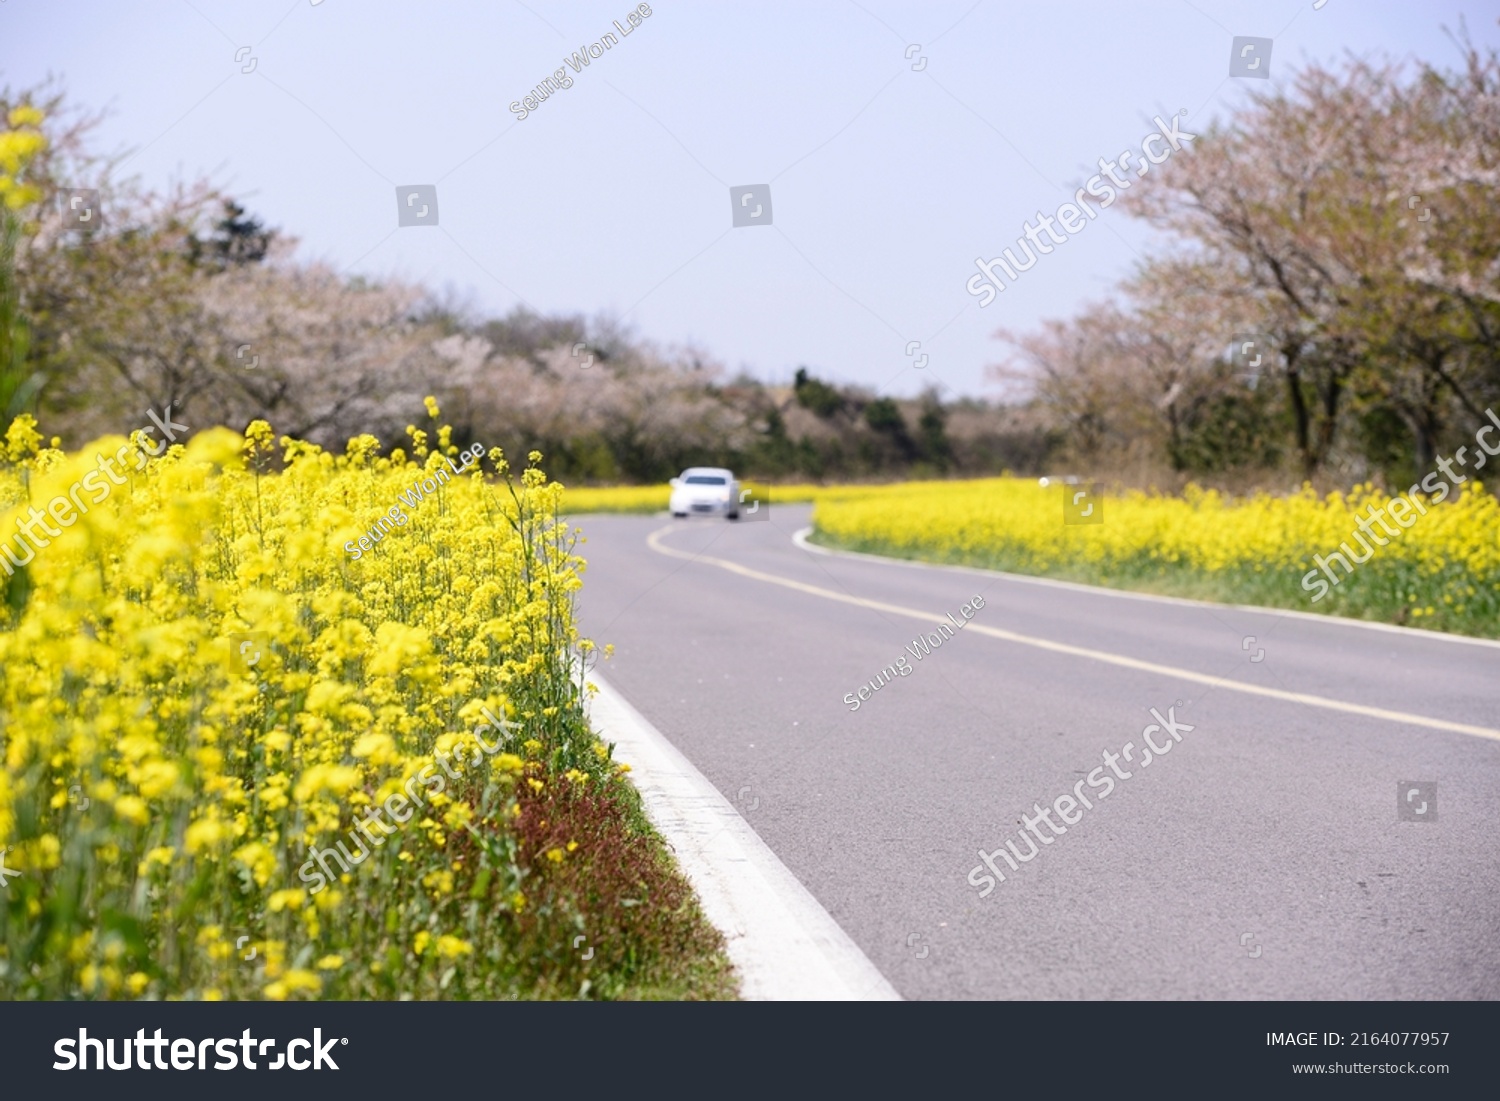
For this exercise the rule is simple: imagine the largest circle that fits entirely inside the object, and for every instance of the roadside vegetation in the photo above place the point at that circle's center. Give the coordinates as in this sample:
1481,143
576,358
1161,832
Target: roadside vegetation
1443,573
201,689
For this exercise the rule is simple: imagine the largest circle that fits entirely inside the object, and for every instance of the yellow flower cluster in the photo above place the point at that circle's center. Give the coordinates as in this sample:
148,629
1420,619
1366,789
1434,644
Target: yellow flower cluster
197,687
1444,570
18,146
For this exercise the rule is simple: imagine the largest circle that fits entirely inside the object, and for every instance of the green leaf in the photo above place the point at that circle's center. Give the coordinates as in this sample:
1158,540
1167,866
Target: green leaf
18,590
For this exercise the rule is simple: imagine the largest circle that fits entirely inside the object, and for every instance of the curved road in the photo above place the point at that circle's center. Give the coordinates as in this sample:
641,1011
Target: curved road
1260,856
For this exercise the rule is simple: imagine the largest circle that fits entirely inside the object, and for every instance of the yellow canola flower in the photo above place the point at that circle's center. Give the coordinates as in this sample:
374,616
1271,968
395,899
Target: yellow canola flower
17,148
157,778
206,833
25,115
261,860
292,983
378,748
1262,549
132,809
264,825
292,898
336,779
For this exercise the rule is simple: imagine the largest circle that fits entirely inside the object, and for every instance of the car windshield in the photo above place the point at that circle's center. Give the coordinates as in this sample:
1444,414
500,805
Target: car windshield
704,480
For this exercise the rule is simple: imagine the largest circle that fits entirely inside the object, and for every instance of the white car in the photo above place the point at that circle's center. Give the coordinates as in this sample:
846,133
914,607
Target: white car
706,491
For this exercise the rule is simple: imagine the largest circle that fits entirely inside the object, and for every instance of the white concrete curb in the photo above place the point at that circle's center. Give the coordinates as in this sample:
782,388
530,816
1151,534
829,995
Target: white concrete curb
785,946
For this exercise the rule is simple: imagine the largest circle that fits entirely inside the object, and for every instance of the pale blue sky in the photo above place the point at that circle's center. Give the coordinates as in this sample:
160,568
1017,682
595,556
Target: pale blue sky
614,194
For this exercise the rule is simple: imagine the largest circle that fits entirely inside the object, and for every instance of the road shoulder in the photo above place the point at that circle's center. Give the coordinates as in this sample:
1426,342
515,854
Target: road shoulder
785,946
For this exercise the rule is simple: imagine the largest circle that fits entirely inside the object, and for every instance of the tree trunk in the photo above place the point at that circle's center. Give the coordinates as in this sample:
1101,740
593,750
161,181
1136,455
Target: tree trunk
1330,392
1301,419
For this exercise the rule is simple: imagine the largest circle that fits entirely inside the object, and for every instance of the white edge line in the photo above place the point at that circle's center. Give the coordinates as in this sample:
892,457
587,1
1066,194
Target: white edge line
800,538
784,945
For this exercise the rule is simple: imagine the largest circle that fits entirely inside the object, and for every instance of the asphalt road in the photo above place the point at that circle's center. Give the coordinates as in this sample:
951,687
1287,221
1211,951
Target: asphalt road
1261,857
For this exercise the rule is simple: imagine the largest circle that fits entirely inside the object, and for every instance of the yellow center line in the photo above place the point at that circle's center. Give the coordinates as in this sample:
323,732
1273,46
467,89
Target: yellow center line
1083,651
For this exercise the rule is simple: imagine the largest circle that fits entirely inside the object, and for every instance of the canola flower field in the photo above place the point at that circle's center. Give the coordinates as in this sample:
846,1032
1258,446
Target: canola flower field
1441,573
200,690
